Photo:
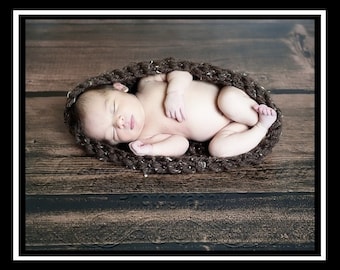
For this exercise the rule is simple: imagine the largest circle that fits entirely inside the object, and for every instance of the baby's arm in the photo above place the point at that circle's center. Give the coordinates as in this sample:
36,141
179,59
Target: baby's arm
178,81
160,145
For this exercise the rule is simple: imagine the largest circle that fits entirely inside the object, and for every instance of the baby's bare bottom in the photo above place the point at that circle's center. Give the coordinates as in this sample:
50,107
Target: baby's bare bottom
250,123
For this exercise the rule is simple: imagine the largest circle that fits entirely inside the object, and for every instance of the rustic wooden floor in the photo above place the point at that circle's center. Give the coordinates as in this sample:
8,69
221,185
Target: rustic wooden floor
75,203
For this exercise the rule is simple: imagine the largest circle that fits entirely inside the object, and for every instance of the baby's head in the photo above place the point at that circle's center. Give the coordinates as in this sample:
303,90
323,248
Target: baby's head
110,115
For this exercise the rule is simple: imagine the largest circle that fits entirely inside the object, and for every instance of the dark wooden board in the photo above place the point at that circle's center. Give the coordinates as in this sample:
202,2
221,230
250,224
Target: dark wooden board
277,53
141,222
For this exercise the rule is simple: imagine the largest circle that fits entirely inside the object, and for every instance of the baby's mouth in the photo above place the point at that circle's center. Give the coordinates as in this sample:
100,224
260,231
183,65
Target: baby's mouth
132,122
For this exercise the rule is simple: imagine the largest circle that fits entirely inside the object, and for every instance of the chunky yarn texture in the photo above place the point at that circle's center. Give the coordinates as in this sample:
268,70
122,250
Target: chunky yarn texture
197,158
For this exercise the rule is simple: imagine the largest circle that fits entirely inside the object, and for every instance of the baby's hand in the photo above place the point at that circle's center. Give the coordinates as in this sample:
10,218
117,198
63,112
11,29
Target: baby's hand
174,106
140,149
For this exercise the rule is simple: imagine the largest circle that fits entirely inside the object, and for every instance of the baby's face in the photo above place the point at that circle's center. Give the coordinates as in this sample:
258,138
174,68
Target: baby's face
114,117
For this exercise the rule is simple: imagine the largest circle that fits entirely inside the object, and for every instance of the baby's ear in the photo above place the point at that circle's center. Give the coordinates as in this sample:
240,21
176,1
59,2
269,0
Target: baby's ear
120,87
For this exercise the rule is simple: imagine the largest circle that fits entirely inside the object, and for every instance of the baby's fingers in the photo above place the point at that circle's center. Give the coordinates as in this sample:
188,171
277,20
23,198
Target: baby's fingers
139,148
169,114
180,115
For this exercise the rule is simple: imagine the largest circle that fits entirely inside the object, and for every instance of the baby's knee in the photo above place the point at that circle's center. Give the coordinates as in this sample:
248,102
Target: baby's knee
229,96
230,89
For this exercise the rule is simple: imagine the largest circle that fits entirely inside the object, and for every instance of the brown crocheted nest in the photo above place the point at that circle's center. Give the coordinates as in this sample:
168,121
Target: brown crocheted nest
197,158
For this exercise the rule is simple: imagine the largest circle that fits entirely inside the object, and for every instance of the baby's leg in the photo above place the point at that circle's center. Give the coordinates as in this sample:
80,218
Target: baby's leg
237,138
237,106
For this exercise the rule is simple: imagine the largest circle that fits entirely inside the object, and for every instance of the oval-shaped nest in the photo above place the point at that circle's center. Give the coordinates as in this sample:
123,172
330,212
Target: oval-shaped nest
197,158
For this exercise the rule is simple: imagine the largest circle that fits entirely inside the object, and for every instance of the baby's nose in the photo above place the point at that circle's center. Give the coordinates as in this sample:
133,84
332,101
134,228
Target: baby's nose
120,122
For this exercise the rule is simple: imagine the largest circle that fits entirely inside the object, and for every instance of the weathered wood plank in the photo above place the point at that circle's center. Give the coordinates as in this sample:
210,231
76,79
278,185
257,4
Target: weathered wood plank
237,222
277,53
88,177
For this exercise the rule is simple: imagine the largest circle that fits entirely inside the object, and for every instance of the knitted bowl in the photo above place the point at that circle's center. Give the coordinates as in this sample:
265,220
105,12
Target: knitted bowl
197,158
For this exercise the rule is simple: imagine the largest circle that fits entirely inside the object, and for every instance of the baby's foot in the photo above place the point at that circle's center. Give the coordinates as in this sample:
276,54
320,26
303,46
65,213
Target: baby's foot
267,115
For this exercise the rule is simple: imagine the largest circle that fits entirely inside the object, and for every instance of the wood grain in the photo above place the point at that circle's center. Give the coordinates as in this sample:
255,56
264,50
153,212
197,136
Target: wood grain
270,51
